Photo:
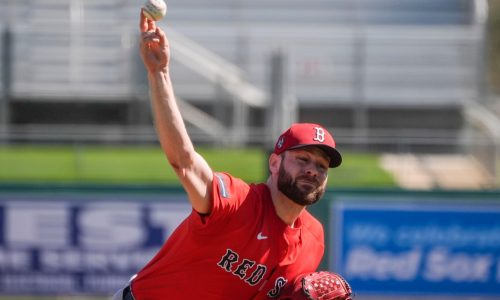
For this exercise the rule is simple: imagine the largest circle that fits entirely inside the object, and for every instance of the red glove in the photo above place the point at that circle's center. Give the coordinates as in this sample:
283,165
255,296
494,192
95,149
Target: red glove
318,286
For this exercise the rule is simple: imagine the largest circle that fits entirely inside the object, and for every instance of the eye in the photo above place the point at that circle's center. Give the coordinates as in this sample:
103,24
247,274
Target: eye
322,166
303,158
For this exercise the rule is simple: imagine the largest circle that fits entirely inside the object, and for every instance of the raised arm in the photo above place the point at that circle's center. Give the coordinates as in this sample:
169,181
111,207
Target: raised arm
193,171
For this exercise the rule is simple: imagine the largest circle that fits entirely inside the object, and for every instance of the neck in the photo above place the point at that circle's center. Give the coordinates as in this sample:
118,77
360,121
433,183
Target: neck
287,210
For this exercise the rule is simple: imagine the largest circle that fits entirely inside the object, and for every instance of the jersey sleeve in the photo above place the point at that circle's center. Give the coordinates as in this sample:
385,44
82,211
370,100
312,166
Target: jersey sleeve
228,194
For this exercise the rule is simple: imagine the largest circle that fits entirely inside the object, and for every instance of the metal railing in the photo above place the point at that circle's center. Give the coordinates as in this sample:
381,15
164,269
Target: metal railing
58,56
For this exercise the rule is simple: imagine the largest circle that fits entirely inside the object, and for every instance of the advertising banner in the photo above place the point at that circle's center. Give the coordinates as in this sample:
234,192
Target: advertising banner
417,248
87,245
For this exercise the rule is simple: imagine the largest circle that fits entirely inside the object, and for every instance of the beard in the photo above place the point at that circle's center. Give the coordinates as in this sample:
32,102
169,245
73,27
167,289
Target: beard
291,189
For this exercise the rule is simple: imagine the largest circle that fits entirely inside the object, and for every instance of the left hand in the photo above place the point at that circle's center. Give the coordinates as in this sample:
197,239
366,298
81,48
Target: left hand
318,286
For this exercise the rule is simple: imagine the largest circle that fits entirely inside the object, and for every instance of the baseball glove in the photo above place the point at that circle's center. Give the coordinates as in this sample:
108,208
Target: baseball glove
319,286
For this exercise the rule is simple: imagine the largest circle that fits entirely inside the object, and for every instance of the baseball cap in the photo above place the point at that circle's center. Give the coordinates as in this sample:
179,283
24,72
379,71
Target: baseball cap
308,134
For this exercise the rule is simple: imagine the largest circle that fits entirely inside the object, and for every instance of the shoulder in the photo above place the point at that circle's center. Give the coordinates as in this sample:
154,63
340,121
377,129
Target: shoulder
228,195
227,182
228,185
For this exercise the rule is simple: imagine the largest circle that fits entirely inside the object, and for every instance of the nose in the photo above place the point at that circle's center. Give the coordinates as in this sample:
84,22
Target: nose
311,170
315,171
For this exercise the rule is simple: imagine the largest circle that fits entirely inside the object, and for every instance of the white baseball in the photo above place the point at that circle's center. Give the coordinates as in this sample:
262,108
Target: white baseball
154,9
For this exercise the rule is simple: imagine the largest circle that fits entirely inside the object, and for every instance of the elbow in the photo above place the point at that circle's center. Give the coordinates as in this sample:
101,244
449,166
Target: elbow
181,163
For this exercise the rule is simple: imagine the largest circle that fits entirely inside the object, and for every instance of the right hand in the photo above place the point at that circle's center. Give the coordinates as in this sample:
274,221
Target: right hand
154,47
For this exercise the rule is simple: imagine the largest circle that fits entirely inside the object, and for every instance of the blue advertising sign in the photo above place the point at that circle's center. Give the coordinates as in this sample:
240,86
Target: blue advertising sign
393,248
85,245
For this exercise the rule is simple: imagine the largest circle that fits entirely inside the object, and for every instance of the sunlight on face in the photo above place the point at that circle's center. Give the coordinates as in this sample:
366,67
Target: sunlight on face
304,178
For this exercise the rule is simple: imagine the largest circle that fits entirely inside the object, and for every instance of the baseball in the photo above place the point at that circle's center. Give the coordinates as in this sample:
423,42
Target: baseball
154,9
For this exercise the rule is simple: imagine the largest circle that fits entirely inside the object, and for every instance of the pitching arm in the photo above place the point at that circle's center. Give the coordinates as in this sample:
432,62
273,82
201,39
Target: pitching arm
193,171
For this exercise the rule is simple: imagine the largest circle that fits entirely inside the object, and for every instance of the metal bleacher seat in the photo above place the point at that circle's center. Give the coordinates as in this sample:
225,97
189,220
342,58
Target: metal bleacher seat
2,70
340,51
8,12
402,52
71,50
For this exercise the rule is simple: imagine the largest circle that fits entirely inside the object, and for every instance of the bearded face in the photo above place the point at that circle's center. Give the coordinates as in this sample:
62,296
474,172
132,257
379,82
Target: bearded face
303,190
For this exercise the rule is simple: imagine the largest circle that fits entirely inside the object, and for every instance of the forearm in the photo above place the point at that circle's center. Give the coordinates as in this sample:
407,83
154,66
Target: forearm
169,124
193,171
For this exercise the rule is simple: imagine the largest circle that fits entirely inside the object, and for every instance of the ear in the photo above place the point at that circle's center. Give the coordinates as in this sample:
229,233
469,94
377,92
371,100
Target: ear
274,163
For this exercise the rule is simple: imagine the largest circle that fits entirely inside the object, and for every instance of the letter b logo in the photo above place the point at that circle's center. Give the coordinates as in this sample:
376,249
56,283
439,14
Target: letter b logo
320,135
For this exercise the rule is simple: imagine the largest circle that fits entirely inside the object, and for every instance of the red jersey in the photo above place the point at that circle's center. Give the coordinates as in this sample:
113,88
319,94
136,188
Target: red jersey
241,250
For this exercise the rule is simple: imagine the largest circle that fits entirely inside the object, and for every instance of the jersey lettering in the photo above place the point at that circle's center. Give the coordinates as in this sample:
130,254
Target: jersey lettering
242,269
320,135
278,285
257,275
230,261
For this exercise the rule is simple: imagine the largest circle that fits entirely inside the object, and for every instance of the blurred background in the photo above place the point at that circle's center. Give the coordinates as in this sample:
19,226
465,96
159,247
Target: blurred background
409,89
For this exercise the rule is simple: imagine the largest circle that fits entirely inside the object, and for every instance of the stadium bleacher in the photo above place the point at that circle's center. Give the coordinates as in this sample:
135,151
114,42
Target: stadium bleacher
2,68
342,54
403,45
393,49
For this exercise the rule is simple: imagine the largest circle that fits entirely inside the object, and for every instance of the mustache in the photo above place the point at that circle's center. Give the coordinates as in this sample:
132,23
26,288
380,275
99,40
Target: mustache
308,179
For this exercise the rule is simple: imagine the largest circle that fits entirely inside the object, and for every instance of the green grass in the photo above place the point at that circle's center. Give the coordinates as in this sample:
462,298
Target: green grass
148,165
360,170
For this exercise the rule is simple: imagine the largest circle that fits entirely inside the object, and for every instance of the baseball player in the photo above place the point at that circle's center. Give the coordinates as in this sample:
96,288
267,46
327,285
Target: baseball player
241,241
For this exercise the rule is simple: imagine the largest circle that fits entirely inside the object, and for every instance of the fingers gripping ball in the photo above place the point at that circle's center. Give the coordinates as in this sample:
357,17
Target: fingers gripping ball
326,286
154,9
